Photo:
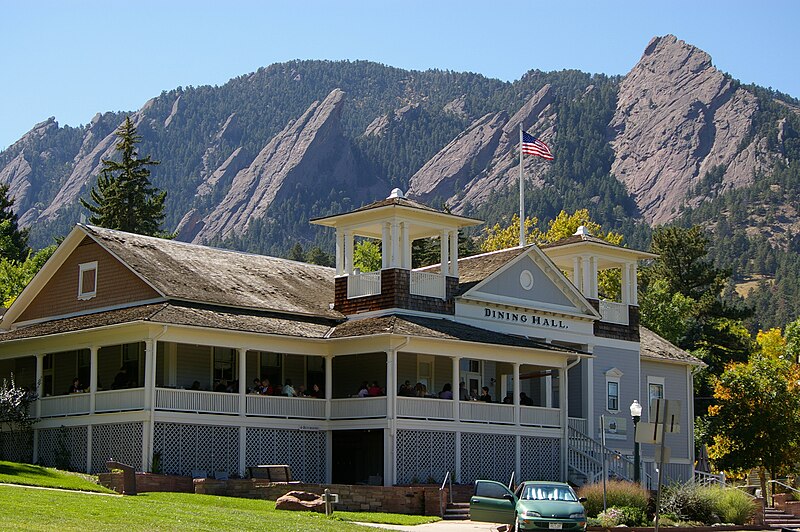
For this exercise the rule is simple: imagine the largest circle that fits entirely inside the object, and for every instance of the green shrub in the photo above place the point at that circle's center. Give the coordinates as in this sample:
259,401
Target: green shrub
619,494
611,518
633,516
732,505
690,502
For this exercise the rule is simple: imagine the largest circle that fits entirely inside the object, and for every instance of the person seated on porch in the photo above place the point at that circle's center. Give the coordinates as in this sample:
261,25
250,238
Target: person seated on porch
485,397
315,391
463,394
375,390
363,391
256,387
288,389
508,399
420,390
222,386
524,400
301,391
195,385
121,379
405,390
447,391
266,388
76,387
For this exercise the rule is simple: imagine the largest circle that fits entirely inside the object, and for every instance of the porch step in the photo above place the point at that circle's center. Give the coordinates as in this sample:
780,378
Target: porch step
458,511
778,519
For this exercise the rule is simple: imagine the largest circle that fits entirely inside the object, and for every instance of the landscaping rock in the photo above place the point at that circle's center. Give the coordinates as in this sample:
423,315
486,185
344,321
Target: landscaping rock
301,500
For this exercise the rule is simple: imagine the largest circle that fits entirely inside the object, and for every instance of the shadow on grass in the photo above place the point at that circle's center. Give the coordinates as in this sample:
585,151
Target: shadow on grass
26,470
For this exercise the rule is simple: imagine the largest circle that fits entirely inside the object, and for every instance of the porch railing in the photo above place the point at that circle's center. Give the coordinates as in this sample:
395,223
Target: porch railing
479,411
65,405
418,407
579,424
613,312
197,401
288,407
358,407
363,284
116,400
539,416
427,284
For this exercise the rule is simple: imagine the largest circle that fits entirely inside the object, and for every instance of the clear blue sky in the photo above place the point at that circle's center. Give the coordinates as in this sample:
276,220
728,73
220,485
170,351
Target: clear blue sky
73,59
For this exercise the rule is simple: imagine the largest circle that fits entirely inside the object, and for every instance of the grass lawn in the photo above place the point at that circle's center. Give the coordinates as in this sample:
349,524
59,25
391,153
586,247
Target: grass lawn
31,475
32,509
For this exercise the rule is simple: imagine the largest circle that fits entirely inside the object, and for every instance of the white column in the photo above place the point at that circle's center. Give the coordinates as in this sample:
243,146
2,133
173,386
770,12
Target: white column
92,378
576,273
456,389
562,403
395,262
348,252
328,387
517,459
515,377
444,240
340,247
390,463
585,276
242,352
593,278
548,391
454,253
405,261
329,456
149,373
385,245
242,450
391,384
625,288
590,417
457,446
634,285
39,383
89,449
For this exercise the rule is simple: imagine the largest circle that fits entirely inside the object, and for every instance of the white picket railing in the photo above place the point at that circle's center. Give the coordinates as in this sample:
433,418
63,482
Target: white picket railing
486,412
613,312
65,405
427,284
117,400
363,284
424,408
196,401
358,407
578,423
539,416
289,407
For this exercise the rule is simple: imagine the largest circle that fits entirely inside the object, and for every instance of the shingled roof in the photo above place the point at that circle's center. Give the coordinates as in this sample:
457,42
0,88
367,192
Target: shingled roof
474,269
177,314
436,328
655,347
190,272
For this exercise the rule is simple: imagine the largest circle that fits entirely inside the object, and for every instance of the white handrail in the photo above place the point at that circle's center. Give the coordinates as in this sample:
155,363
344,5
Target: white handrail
447,477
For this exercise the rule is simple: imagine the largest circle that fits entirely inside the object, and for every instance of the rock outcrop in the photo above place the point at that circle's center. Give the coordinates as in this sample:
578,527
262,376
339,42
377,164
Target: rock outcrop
311,149
301,501
677,118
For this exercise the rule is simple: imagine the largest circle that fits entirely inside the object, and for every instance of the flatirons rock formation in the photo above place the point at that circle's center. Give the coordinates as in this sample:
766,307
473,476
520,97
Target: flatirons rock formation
677,118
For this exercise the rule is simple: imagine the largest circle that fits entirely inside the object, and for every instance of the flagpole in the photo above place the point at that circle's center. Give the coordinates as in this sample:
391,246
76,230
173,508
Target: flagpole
521,194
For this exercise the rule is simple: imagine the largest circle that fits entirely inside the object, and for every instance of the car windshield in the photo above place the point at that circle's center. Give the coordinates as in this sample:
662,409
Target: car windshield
548,493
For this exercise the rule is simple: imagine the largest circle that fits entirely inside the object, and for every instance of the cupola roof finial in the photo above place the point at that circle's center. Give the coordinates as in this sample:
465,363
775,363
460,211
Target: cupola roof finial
396,193
582,231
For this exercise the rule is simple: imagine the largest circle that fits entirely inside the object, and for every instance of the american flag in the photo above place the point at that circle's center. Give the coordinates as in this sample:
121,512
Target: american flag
533,146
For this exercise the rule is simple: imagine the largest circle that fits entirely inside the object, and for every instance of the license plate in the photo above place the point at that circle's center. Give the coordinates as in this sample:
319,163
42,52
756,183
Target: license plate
555,526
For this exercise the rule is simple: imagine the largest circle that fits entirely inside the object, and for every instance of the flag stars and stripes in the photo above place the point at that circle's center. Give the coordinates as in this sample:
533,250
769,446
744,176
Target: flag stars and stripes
533,146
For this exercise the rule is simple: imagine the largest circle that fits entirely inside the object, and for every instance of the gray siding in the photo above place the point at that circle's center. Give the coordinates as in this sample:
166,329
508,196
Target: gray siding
627,361
575,392
675,388
508,285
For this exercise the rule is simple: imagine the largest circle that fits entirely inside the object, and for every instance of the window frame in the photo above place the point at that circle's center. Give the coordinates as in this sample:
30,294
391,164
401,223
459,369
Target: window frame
82,269
613,376
654,381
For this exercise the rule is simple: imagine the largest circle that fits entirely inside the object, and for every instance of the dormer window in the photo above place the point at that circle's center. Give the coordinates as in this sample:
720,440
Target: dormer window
87,280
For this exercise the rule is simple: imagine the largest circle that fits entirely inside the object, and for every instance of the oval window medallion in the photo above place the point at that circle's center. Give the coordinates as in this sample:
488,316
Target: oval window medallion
526,279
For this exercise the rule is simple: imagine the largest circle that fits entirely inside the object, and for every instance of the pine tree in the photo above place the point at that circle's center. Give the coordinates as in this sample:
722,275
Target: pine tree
13,240
123,197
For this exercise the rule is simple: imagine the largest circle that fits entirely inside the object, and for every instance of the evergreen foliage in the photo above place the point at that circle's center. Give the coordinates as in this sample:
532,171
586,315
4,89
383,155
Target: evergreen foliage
13,240
123,197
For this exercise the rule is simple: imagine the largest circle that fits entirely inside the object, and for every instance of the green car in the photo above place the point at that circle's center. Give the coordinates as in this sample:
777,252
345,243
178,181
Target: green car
534,506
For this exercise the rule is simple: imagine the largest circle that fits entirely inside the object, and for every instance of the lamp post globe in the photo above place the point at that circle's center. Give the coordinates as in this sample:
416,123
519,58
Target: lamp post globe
636,414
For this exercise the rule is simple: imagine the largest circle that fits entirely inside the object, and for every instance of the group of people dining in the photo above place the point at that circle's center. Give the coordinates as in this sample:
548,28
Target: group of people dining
420,390
264,387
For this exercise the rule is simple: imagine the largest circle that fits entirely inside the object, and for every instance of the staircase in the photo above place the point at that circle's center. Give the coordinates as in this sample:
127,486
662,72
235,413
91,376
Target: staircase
585,460
774,518
456,511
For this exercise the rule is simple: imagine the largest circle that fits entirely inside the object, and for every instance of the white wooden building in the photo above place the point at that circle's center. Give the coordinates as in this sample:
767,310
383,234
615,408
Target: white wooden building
153,327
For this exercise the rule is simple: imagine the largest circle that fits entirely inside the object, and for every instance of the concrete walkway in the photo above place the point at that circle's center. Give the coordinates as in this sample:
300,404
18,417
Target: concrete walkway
443,526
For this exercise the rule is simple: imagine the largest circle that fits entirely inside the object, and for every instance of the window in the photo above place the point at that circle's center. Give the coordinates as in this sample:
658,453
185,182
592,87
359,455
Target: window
655,391
224,363
493,490
87,280
613,396
613,377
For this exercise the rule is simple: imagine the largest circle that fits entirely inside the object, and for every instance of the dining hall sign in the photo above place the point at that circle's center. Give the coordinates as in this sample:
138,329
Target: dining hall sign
524,318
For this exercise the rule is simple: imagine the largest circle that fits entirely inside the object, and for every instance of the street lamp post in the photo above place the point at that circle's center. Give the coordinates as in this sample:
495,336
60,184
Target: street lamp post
636,414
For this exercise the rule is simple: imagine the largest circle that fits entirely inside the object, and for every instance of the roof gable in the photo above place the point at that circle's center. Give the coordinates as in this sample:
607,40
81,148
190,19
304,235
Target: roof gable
530,280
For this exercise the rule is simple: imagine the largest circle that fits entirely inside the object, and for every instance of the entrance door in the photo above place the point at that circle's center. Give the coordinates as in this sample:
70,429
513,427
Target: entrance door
358,456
